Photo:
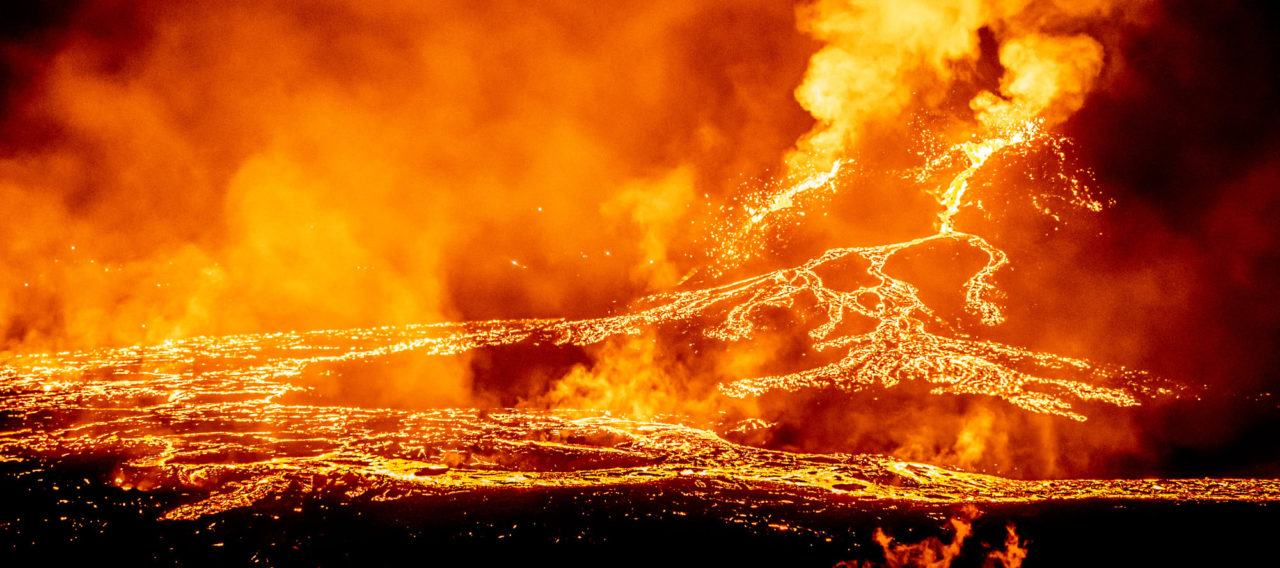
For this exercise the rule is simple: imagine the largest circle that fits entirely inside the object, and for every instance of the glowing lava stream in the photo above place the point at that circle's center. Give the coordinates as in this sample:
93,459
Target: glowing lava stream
225,416
900,347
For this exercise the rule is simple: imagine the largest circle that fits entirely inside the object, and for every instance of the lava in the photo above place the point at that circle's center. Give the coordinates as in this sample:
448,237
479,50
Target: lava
232,417
518,264
192,415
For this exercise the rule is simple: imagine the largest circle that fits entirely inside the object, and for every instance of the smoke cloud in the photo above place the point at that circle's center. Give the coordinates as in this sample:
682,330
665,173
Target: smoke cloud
173,169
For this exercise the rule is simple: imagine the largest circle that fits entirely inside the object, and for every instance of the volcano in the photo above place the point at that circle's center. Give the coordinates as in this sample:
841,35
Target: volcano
829,283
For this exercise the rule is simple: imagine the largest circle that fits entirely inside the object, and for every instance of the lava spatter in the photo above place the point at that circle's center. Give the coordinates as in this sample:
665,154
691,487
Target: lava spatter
227,433
908,341
229,418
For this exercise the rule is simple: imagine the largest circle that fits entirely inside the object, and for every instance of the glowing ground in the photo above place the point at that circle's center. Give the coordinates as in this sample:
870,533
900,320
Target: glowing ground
217,433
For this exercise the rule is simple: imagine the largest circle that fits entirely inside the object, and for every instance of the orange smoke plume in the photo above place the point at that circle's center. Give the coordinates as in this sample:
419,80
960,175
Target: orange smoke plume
884,60
182,169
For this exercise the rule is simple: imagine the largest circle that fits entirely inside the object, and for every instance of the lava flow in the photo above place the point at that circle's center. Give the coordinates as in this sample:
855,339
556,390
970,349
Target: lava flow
233,418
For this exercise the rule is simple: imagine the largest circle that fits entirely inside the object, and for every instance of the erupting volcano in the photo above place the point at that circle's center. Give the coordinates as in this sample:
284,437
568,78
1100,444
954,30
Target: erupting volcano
939,306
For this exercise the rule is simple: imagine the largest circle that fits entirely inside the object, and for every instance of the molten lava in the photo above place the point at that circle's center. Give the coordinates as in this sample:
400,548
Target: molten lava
233,417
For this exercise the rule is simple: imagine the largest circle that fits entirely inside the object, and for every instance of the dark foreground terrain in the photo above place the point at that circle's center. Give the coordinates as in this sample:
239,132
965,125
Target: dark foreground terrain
68,512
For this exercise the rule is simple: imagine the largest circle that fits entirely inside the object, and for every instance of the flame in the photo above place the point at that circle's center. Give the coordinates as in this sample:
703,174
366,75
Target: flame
934,553
1015,550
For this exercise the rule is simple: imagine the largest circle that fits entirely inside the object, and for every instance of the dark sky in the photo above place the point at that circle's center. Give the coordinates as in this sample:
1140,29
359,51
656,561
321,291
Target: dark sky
1187,140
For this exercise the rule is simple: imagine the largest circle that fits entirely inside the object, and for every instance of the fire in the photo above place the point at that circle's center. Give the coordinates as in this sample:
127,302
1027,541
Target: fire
933,553
294,229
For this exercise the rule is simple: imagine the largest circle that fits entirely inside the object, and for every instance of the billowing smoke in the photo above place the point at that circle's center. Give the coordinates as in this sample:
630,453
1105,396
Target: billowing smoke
172,169
1173,104
883,61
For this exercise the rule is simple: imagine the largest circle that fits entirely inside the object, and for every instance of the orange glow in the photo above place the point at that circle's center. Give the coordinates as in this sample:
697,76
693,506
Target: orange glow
933,553
258,166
